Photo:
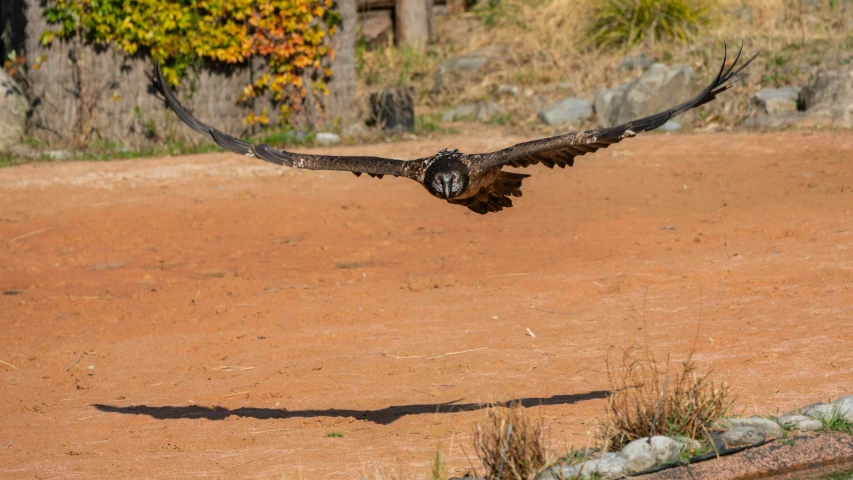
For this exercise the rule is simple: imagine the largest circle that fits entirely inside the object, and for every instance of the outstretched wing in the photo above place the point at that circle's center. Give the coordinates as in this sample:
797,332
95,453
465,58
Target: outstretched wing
563,149
374,166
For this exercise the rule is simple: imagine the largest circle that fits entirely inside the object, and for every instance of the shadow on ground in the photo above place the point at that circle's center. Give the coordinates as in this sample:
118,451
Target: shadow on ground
382,416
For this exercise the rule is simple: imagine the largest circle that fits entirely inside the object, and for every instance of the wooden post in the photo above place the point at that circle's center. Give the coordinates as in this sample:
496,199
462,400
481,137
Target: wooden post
411,23
342,87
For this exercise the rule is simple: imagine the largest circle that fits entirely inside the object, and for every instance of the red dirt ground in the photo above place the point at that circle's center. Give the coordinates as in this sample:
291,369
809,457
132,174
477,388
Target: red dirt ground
340,300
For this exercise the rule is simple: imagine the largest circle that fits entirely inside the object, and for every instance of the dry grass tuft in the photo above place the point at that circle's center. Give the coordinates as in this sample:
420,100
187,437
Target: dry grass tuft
661,399
510,444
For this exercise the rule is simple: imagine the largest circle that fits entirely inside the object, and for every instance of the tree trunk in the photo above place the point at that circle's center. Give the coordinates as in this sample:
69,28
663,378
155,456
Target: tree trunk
411,23
339,105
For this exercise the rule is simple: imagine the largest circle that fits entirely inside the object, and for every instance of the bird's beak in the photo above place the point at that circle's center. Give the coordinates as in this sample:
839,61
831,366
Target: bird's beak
445,184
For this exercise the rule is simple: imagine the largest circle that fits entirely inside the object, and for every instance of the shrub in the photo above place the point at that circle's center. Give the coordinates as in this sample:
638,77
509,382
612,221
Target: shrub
627,23
647,397
510,444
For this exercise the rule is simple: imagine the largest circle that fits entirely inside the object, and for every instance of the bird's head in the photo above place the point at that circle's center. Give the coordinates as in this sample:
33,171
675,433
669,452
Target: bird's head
446,177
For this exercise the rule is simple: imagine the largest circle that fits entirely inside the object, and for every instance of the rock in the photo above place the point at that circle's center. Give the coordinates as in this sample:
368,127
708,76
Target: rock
688,443
810,425
13,112
776,100
773,122
355,130
507,90
327,138
59,155
393,109
609,467
828,97
791,420
642,453
670,126
636,61
568,110
22,151
603,103
480,111
770,428
653,92
825,411
740,436
458,72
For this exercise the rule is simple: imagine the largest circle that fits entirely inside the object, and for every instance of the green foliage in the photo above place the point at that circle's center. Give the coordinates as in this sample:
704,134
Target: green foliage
334,435
836,422
291,35
626,23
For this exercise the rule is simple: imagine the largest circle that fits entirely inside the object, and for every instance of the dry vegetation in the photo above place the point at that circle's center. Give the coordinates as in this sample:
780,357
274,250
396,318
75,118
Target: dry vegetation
551,54
649,397
510,444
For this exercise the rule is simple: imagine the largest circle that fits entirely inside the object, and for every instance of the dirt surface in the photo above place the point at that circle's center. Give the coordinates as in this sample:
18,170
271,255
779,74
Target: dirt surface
214,316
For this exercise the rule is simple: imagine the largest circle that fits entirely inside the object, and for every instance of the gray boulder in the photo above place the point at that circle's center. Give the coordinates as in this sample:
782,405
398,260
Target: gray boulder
568,110
659,88
776,100
480,112
13,112
603,103
642,453
740,436
770,428
608,467
774,122
825,411
456,73
828,97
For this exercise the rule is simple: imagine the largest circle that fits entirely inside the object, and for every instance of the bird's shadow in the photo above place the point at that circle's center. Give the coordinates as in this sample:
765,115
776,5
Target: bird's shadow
382,416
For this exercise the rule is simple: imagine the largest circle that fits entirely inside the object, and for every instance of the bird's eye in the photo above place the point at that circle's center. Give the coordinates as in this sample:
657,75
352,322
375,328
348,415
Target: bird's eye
453,179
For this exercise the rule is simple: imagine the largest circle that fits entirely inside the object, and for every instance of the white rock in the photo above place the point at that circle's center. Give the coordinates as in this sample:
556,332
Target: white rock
791,420
740,436
643,453
688,443
776,100
671,126
609,467
327,138
480,111
810,425
650,93
825,411
828,97
568,110
770,428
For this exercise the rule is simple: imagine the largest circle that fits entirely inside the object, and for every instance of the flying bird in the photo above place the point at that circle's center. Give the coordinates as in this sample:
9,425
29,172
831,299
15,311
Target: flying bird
473,180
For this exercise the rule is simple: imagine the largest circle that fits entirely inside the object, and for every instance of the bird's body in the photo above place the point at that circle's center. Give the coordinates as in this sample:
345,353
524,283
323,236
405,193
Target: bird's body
476,181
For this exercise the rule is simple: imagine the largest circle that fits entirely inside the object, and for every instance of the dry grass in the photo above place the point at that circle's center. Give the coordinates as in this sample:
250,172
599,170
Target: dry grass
548,58
653,398
510,444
